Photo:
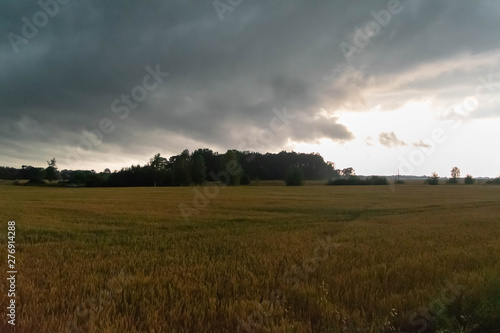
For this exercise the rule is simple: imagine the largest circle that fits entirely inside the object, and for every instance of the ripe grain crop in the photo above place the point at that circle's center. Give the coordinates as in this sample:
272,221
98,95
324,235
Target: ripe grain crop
125,260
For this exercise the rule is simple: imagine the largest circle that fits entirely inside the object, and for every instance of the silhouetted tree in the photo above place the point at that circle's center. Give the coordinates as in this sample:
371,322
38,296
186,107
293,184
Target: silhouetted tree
294,176
469,180
9,173
183,169
347,172
212,161
455,173
433,180
34,175
495,181
198,168
355,180
181,165
158,165
232,167
332,172
51,171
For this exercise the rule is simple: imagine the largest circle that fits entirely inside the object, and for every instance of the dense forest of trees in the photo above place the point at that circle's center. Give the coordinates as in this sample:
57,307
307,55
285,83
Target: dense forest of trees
202,165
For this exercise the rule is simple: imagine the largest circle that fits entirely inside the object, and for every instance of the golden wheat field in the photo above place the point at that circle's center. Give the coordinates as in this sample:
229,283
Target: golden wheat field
254,259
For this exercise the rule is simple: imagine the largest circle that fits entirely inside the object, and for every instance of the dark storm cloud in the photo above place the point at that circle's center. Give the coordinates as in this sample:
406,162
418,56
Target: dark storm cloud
226,77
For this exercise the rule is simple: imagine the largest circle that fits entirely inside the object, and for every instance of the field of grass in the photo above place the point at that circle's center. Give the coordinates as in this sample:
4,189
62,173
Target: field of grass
254,259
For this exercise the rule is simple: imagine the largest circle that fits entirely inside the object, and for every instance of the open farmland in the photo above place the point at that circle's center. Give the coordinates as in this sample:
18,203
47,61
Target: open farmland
255,259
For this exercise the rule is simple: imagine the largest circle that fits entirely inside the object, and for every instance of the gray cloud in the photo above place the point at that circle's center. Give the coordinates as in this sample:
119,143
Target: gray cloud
422,144
226,77
390,140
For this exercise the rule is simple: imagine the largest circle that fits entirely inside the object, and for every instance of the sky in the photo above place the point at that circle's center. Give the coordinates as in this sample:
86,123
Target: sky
376,85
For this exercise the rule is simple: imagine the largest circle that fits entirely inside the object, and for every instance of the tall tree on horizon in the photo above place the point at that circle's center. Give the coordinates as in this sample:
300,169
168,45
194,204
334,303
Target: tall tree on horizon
51,172
455,173
181,165
158,165
232,166
198,168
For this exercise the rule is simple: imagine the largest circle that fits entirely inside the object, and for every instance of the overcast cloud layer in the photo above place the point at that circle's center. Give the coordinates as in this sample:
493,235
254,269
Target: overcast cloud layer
269,75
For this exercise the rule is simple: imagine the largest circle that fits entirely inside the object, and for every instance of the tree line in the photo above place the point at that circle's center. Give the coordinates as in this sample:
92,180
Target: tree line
204,165
201,166
453,180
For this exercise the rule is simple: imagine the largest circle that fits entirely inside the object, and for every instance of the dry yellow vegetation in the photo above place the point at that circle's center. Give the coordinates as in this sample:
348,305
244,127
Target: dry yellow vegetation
255,259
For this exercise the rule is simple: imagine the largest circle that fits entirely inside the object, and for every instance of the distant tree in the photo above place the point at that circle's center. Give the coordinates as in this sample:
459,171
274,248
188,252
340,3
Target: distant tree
181,165
433,180
495,181
294,176
184,169
378,180
455,173
469,180
157,165
9,173
198,168
93,180
332,172
51,172
275,166
232,166
157,162
34,175
78,177
347,172
212,161
355,180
